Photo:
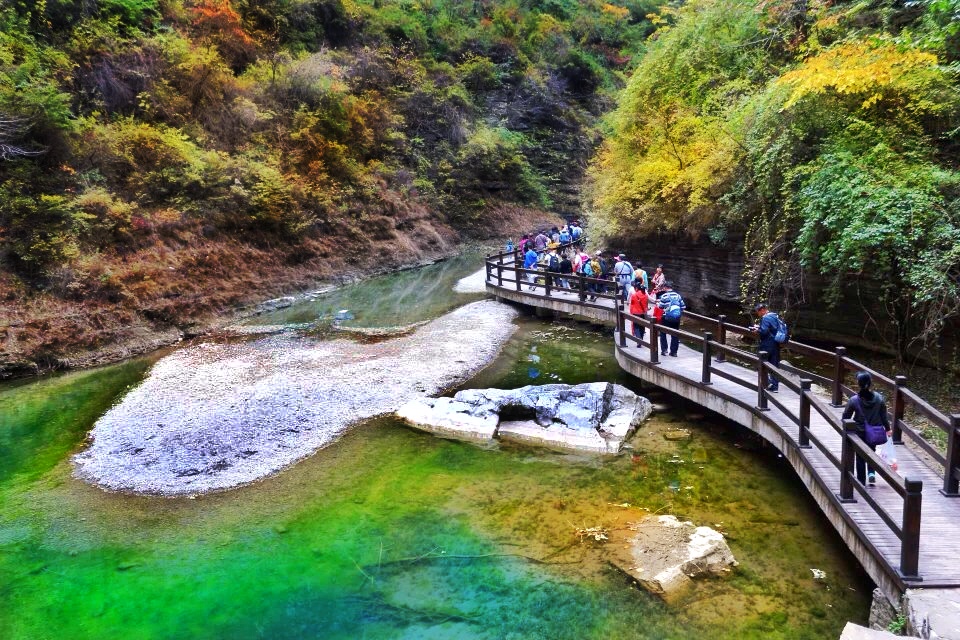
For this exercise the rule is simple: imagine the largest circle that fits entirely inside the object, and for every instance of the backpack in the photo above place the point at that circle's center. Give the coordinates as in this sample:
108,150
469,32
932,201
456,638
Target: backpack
673,311
554,264
783,333
564,237
575,233
596,268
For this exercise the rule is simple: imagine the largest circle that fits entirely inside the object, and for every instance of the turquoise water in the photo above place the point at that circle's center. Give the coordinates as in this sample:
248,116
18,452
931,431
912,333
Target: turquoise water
390,533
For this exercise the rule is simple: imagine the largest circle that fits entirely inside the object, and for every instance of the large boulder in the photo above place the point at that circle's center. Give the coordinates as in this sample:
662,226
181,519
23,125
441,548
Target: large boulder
663,554
595,417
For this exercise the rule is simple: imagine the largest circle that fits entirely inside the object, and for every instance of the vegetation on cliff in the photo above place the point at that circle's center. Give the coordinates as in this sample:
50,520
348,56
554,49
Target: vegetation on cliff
826,132
164,158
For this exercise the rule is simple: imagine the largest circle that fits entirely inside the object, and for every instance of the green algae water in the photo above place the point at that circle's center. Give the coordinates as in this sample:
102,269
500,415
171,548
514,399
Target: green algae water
391,533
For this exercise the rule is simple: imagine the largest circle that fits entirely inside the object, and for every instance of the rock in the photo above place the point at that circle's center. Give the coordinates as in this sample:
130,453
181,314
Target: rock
595,417
882,612
276,303
214,416
676,435
664,554
856,632
932,613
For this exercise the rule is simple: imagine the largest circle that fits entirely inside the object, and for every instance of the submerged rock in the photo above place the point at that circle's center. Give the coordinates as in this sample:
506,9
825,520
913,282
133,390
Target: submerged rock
473,283
595,417
214,416
663,554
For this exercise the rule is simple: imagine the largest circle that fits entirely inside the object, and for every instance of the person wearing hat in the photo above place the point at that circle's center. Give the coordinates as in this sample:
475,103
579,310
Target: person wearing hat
767,329
672,306
623,271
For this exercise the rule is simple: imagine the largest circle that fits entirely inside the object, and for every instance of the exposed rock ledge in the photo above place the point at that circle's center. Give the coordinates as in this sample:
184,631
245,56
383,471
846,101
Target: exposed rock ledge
595,417
663,554
215,416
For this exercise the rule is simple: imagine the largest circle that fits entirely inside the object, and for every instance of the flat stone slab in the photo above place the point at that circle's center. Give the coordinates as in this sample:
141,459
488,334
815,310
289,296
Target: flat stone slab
933,614
595,417
473,283
855,632
663,554
214,416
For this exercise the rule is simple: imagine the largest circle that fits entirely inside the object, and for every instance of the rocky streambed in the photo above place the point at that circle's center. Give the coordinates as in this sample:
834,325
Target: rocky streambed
215,416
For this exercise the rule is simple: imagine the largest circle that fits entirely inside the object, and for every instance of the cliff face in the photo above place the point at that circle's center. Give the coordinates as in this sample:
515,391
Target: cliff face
708,276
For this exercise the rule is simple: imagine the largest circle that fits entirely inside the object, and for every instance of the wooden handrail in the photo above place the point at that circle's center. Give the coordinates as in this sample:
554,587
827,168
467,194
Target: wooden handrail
903,397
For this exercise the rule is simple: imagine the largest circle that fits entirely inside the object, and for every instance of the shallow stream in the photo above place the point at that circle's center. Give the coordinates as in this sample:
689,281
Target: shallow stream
391,533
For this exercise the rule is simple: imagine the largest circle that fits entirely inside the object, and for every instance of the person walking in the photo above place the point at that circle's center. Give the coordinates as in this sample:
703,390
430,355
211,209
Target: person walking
540,241
659,279
641,275
869,412
767,329
639,302
672,305
623,271
566,269
530,262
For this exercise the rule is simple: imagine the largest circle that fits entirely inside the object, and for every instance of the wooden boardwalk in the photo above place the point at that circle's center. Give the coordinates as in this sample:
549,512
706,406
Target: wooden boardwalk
905,530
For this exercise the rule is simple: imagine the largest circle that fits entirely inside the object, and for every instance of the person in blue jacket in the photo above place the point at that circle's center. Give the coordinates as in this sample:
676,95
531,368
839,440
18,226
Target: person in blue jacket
672,305
530,262
766,329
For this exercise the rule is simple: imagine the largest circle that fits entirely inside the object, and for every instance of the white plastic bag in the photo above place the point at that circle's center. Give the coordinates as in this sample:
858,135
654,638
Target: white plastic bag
888,453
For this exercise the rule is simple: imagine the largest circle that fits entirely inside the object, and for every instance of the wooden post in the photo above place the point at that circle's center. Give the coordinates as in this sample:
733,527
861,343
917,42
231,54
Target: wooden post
500,273
547,278
899,407
722,336
762,381
805,385
621,324
654,347
838,375
705,374
952,466
910,528
847,453
518,275
581,288
486,263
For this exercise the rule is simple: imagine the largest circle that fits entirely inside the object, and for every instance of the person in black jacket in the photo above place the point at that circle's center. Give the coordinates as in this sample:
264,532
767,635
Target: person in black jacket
866,407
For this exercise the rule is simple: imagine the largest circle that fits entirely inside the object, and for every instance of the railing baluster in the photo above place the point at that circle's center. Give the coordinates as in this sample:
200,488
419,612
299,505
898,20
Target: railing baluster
500,272
762,381
838,376
899,408
654,353
952,466
621,324
580,288
846,462
486,263
910,529
804,438
547,281
722,337
705,374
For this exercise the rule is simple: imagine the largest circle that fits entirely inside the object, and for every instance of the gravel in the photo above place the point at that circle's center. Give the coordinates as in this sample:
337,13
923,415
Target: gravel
473,283
215,416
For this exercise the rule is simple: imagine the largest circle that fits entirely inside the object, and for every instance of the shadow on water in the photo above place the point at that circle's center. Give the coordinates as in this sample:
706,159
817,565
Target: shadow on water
391,533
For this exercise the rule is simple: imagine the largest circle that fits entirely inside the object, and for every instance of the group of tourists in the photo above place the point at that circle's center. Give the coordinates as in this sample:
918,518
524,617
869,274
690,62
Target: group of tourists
560,254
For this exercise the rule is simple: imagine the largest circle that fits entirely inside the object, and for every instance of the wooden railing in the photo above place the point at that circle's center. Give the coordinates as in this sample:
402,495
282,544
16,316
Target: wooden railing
715,349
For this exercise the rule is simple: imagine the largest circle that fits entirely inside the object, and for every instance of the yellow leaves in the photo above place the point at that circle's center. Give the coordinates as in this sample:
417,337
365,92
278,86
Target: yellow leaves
865,69
617,12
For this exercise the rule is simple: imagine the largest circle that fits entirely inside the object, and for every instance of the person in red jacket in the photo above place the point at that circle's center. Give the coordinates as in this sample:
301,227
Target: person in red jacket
639,302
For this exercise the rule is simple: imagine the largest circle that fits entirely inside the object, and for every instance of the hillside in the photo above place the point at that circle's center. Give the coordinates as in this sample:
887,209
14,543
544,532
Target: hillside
162,161
823,136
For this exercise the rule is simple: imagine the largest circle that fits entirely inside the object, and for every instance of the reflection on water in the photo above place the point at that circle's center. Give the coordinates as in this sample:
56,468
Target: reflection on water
390,533
396,299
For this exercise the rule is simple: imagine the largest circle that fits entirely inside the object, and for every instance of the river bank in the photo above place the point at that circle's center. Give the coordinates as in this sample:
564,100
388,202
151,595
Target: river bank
137,303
